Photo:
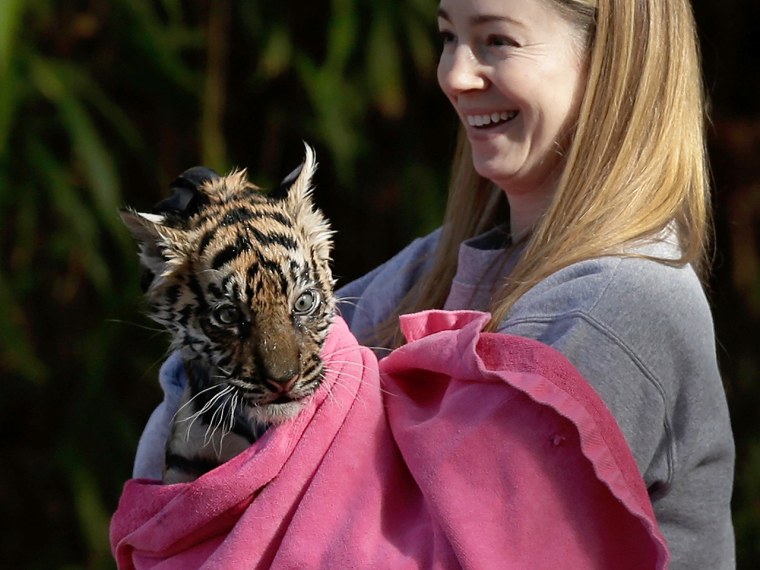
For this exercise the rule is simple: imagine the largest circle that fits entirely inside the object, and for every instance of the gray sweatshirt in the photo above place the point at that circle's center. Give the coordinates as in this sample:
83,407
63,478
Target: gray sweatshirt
641,333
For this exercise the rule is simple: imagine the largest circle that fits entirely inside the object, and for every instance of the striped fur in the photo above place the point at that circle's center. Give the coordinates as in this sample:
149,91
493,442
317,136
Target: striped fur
243,285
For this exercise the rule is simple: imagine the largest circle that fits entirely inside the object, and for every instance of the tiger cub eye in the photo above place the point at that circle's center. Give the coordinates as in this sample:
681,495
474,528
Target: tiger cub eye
227,314
306,303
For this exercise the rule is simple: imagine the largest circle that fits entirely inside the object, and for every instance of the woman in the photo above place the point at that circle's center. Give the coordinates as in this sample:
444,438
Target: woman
587,116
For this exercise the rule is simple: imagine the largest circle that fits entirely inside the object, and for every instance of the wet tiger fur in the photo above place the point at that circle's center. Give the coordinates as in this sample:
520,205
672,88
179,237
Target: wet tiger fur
242,282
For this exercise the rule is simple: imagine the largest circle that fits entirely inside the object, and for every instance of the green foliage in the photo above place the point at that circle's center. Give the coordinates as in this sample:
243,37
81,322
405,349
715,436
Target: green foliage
104,102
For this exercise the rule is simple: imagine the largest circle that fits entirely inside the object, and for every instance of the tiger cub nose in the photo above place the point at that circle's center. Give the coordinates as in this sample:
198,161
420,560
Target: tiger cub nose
282,385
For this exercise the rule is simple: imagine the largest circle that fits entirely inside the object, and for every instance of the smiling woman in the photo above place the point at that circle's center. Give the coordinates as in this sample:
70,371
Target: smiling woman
585,119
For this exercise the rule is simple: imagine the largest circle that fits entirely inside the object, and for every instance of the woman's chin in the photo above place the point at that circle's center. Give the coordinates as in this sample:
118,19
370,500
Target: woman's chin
496,171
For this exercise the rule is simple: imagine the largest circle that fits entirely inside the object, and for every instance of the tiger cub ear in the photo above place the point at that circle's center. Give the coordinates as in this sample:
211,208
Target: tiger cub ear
296,187
187,197
295,192
281,191
161,247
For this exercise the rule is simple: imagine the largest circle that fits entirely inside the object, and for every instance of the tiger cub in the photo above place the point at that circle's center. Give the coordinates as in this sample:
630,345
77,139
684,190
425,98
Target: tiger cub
241,280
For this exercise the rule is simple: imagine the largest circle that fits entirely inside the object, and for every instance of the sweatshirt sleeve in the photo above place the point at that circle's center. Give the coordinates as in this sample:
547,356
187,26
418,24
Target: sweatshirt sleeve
368,301
149,460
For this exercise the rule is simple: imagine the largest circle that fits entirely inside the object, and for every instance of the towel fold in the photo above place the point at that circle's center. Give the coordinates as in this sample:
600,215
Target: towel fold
461,449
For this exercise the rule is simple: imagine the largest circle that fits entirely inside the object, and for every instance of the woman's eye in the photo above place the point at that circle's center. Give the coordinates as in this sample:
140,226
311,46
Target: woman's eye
446,37
500,41
227,314
306,302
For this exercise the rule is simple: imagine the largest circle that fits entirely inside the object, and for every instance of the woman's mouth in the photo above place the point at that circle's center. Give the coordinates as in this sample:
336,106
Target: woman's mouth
489,120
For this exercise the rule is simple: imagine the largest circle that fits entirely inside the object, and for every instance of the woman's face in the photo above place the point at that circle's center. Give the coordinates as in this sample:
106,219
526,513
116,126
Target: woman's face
513,70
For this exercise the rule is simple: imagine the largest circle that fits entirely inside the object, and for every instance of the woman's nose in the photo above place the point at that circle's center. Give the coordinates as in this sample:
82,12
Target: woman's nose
459,70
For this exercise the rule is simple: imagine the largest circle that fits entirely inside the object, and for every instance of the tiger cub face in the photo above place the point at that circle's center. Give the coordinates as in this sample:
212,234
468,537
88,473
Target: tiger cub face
242,282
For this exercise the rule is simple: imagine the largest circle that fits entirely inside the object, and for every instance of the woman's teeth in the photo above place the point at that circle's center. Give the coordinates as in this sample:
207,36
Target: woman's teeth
492,119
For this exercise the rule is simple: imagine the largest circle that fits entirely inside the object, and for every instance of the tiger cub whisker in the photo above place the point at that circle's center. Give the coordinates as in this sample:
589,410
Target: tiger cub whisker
210,405
186,404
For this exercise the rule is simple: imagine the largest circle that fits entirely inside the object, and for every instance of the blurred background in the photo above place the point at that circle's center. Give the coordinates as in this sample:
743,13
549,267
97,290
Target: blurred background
104,102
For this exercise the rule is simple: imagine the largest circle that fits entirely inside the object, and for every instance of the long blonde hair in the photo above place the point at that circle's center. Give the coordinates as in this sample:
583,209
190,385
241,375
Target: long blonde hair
636,163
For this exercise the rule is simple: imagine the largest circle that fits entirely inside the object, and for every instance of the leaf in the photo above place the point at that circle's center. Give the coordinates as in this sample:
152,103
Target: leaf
89,91
342,34
11,12
94,518
8,104
384,67
425,206
96,162
155,52
277,53
173,9
25,241
338,108
17,353
419,36
80,222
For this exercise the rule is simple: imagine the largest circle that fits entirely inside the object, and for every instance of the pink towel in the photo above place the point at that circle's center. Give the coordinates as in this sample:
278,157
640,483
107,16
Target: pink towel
463,450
